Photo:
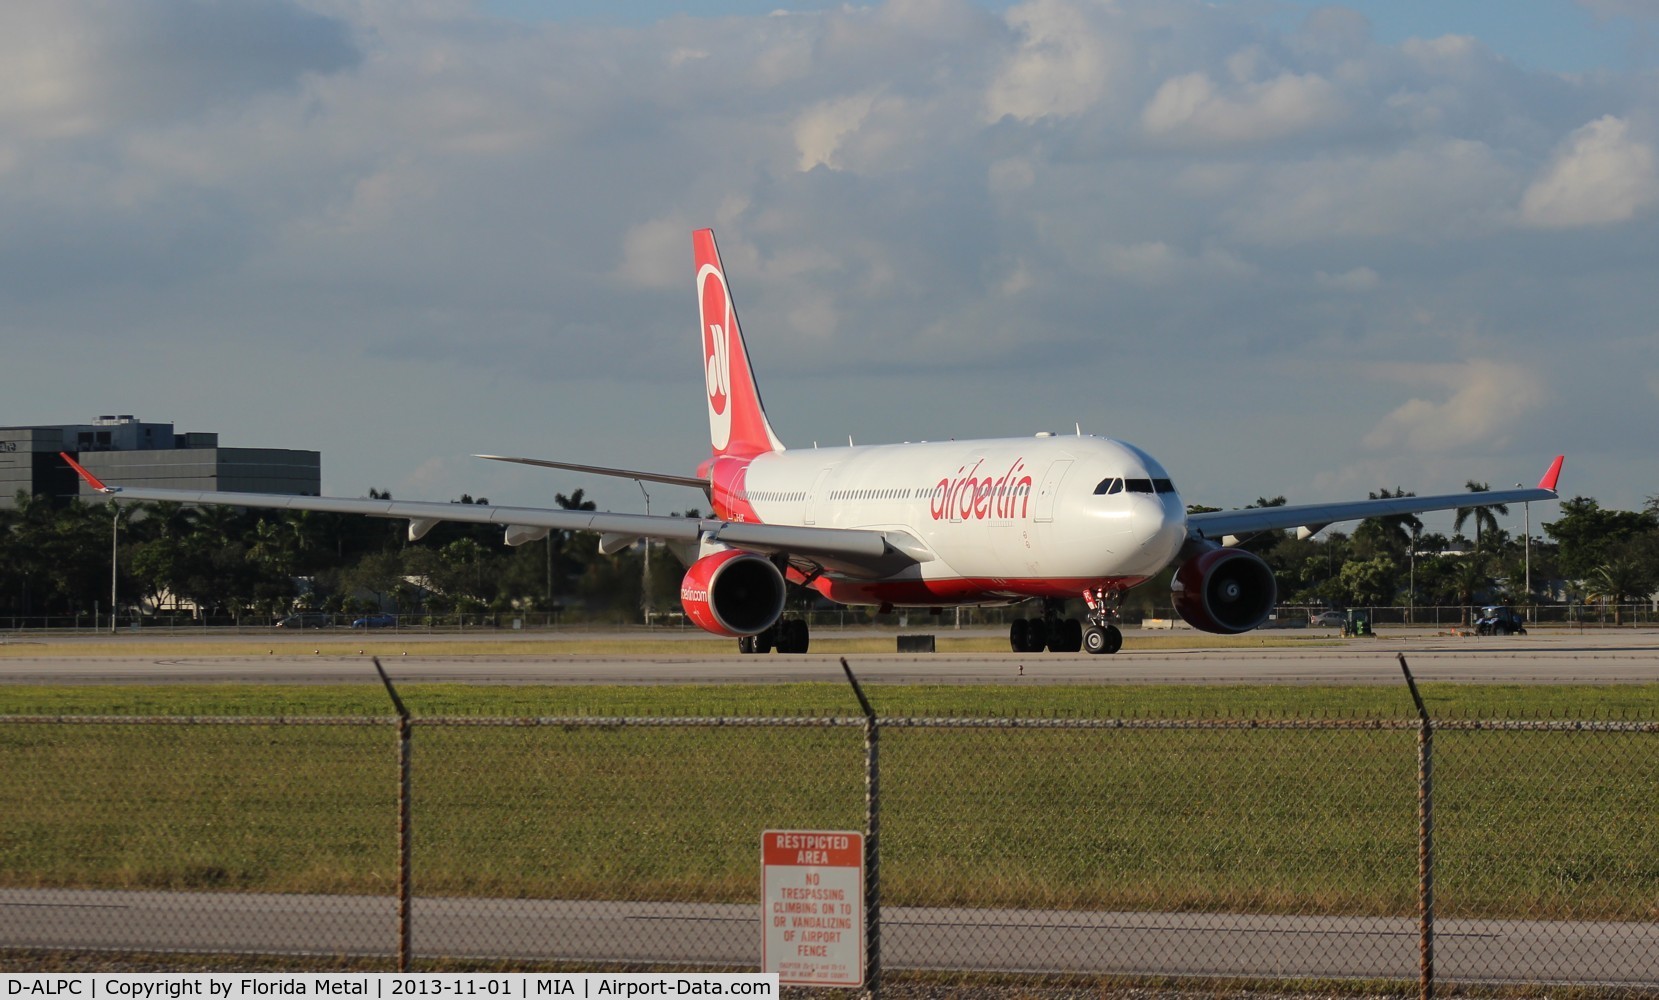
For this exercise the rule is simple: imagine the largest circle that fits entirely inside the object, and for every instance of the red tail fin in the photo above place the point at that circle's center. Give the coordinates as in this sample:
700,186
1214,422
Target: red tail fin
737,420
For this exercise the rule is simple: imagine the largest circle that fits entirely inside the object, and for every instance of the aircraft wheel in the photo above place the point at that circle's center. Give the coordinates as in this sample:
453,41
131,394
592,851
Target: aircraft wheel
766,640
794,636
1071,636
1039,639
1102,640
746,644
1019,635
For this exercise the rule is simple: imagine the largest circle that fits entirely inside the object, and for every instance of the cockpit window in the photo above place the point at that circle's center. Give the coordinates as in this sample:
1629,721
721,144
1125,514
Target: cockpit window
1114,486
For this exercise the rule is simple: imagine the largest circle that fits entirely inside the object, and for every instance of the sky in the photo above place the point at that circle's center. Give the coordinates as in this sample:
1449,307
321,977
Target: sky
1289,248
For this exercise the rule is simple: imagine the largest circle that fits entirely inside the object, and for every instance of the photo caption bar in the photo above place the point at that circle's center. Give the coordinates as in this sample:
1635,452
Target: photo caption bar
382,985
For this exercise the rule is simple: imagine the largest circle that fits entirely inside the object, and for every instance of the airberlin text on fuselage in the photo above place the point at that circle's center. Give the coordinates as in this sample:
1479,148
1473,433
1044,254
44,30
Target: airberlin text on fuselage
971,496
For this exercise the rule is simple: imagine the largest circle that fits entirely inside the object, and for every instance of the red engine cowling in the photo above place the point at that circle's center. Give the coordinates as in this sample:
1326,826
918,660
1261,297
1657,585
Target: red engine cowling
1227,591
733,593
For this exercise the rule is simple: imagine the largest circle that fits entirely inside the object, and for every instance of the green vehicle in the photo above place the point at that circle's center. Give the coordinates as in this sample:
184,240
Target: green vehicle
1358,623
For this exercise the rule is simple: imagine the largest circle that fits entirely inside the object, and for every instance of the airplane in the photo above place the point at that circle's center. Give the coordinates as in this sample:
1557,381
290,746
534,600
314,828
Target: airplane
925,525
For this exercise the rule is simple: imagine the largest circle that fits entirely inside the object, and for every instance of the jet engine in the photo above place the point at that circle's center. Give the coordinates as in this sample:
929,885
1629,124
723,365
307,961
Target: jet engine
1227,591
733,593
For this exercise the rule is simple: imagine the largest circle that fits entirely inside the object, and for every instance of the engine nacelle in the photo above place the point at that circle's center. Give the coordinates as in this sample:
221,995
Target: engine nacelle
733,593
1227,591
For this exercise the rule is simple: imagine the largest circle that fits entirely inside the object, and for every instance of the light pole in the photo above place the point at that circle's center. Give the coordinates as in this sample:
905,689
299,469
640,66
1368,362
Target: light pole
114,551
1411,597
1526,547
645,581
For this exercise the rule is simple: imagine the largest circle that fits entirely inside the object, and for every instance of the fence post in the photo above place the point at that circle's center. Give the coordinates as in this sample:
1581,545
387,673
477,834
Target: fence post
1425,839
405,730
872,839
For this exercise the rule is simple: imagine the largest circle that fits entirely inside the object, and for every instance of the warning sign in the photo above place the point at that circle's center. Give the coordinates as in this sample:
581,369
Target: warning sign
812,895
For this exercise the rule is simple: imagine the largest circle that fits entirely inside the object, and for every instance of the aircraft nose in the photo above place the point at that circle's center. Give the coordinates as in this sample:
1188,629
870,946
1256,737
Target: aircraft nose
1159,527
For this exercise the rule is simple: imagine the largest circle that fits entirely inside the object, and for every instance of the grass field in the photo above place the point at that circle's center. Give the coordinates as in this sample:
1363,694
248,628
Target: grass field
1492,701
391,644
1236,818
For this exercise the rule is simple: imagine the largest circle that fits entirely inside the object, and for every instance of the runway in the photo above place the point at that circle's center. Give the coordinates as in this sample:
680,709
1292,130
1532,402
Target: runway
721,935
1608,657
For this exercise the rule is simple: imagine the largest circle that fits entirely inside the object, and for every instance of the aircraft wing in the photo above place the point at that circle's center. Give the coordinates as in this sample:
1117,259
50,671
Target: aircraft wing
856,552
1312,517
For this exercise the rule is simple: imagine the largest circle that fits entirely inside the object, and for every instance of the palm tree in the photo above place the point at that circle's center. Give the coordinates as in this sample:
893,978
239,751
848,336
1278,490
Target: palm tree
559,554
1392,532
1469,577
1485,515
1617,579
306,531
269,543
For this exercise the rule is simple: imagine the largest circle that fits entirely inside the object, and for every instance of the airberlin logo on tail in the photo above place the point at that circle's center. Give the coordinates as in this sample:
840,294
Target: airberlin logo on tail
970,496
716,306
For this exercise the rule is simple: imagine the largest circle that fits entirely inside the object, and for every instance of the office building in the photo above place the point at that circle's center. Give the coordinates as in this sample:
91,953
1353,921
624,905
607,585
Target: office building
124,450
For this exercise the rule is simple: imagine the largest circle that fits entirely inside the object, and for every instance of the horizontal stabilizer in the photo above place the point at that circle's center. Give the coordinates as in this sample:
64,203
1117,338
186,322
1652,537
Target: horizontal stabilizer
691,482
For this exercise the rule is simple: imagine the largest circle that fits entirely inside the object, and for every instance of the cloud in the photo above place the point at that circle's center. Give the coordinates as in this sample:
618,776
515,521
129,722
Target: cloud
1484,399
1355,280
1161,264
69,69
653,253
1062,67
454,229
1426,189
1192,108
1599,175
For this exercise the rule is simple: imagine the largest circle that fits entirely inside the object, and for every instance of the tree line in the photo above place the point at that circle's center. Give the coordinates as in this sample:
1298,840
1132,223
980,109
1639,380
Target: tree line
1587,555
55,560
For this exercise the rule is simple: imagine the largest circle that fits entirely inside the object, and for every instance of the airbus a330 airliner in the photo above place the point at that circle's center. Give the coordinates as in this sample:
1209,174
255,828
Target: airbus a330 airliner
932,525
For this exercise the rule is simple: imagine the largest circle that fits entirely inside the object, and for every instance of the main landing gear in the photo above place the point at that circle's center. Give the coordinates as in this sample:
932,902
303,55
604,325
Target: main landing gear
1068,635
788,635
1033,635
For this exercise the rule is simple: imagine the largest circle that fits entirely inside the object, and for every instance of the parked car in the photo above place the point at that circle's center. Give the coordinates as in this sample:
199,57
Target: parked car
1327,619
1497,620
381,620
307,619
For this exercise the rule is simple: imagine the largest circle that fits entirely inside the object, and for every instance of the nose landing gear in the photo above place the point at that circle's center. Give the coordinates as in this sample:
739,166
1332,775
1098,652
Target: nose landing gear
1102,639
1102,636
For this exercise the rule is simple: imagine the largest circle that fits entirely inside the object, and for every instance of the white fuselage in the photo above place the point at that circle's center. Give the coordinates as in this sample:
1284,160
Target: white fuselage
1004,519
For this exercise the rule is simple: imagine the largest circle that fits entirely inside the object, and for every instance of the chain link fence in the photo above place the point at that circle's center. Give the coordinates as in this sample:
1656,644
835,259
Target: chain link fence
1581,616
1014,851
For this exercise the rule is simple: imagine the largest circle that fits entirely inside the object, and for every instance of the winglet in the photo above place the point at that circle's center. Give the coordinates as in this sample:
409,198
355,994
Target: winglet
91,480
1548,482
